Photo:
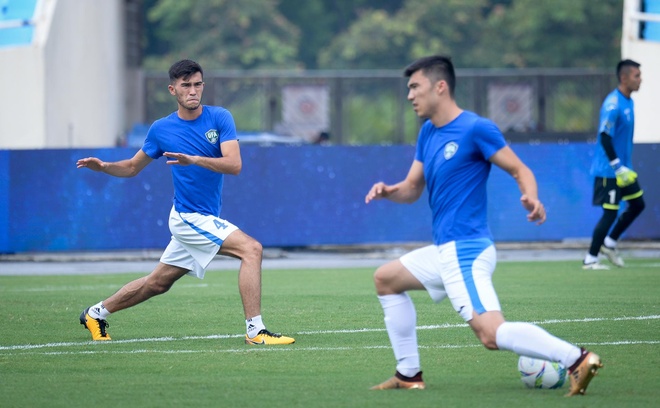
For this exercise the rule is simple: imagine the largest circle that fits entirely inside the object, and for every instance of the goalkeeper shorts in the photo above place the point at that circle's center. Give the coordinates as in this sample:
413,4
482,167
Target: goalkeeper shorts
609,196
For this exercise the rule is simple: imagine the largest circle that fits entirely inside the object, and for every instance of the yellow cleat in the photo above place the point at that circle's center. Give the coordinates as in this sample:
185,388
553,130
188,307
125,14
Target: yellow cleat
264,337
95,326
402,383
587,367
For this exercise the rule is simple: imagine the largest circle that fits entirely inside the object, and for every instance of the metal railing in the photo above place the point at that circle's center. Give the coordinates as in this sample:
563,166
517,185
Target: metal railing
370,107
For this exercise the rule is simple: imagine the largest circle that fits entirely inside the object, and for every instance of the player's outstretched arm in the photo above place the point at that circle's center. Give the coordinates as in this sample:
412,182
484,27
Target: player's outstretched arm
229,163
123,168
535,209
406,191
507,160
378,191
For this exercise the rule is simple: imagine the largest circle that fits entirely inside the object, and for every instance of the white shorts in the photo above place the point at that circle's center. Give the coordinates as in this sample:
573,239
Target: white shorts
460,270
196,239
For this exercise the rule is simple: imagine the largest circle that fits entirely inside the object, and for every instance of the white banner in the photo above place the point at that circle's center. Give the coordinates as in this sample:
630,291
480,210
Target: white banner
511,106
305,110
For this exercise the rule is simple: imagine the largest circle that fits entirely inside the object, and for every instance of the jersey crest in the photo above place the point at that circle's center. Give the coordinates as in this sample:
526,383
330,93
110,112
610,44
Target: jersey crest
450,150
212,135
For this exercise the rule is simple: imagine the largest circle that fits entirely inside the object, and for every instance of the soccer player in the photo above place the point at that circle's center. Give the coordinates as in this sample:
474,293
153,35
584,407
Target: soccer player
455,149
614,178
200,145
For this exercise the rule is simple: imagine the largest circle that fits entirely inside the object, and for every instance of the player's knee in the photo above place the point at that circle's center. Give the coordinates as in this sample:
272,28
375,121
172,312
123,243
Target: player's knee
609,216
490,344
381,281
489,341
254,249
486,328
637,206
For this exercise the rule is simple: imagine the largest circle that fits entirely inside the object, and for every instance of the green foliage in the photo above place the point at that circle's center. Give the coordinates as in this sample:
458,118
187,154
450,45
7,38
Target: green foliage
376,35
243,113
572,107
483,34
185,348
364,120
372,34
320,21
365,123
560,33
221,34
375,41
573,114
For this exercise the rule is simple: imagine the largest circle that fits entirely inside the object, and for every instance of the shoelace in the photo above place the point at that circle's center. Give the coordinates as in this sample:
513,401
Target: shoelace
267,333
102,325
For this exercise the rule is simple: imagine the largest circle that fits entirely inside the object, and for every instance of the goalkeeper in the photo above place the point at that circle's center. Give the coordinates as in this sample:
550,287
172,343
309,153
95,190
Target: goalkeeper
615,179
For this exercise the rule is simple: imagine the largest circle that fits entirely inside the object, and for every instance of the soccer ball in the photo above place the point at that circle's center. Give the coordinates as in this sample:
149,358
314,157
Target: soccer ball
536,373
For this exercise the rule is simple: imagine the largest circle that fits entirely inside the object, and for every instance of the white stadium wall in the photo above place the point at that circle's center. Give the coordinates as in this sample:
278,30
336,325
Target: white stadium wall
22,107
646,51
65,89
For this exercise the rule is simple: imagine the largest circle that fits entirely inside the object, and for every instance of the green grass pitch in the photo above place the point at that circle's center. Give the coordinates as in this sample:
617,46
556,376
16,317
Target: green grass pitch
185,348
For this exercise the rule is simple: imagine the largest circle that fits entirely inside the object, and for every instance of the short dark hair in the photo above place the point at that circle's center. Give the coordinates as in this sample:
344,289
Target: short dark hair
436,68
623,67
184,69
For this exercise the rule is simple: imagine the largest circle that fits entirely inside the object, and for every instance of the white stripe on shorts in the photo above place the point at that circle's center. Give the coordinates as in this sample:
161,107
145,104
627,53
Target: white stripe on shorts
196,239
459,270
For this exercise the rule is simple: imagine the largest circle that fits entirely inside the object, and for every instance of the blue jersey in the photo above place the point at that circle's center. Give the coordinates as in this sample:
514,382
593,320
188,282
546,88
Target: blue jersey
196,189
617,119
456,169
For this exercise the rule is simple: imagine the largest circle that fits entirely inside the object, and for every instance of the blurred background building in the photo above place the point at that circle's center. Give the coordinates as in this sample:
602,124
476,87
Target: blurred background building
75,74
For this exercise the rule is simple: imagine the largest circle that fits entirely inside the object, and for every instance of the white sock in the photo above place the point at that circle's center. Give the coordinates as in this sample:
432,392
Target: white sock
590,259
254,326
609,242
401,322
526,339
98,311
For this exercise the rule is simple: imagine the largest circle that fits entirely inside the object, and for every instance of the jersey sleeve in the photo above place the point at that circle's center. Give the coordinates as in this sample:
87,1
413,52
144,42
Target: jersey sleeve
421,140
608,116
488,137
226,125
151,147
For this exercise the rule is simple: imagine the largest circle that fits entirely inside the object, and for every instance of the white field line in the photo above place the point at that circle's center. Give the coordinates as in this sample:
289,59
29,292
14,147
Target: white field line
230,336
91,287
250,349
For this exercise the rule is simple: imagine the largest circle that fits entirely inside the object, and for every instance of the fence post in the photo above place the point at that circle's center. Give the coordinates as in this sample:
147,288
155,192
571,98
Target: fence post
401,96
541,127
271,103
337,124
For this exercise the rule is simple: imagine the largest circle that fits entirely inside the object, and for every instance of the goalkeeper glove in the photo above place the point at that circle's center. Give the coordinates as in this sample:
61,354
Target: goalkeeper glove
624,175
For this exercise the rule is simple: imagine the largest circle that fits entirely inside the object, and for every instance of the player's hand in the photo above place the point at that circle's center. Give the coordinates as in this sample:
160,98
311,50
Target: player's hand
625,176
179,158
535,209
91,163
378,191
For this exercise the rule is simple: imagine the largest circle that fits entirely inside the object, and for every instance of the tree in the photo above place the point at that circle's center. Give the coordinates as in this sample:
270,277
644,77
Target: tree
558,33
482,34
220,34
319,21
375,41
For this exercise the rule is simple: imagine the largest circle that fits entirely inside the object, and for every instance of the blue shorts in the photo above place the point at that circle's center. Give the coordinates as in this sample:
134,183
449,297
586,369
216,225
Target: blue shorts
459,270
